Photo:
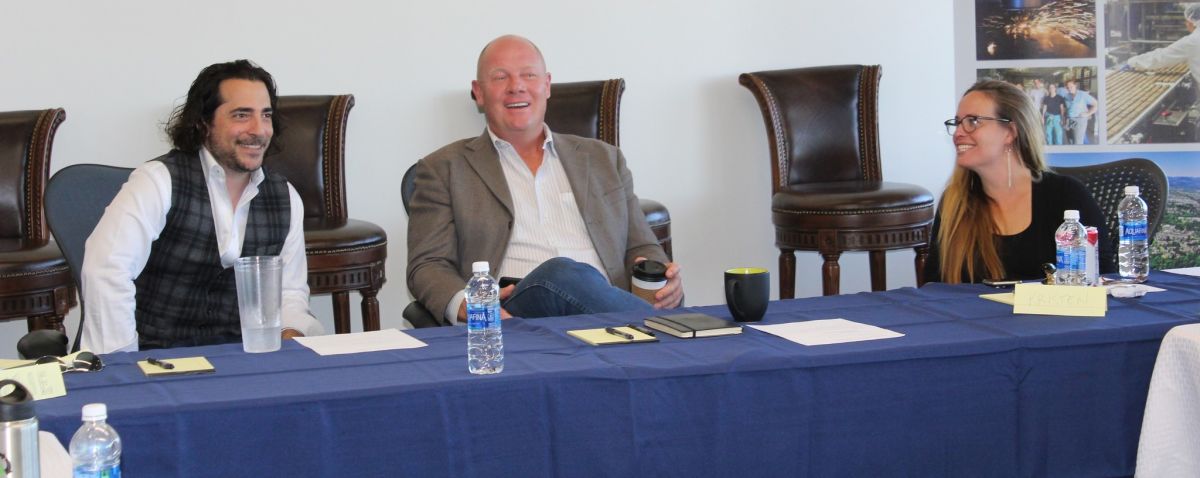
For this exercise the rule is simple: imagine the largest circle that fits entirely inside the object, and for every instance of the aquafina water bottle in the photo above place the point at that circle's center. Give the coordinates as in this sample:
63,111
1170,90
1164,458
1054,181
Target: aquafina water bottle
1133,253
485,345
1070,250
96,447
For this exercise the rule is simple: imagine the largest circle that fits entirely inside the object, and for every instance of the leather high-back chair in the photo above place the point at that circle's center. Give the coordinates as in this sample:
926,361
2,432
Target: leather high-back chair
344,254
591,109
1107,181
35,282
828,193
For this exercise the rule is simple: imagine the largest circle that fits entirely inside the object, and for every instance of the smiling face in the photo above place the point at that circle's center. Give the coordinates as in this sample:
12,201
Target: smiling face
987,144
512,87
240,129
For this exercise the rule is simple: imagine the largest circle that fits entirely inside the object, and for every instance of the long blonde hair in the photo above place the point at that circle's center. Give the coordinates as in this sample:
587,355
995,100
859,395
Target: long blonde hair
967,237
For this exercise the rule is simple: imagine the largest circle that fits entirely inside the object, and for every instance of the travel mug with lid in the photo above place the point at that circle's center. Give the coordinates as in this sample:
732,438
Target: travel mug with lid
18,432
648,277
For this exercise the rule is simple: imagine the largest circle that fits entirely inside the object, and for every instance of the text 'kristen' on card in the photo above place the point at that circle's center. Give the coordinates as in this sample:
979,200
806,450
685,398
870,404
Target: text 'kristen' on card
374,341
1076,301
829,331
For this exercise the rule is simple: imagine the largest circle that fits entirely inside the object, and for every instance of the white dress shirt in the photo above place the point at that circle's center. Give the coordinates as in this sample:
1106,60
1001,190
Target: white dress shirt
546,223
119,248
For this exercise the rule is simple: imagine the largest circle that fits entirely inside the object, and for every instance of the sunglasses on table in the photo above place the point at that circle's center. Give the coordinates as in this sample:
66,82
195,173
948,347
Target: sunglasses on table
76,362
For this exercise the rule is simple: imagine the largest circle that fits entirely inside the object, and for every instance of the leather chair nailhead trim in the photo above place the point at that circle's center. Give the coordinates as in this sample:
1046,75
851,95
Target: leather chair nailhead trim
50,271
317,252
853,212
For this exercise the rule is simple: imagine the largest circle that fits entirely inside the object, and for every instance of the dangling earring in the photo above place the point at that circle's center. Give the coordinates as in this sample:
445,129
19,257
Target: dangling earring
1008,162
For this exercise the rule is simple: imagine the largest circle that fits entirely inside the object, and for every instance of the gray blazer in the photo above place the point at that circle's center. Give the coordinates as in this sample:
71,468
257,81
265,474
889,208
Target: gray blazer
461,211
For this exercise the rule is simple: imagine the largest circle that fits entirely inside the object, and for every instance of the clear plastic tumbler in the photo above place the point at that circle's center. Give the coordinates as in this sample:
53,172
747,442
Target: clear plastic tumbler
259,280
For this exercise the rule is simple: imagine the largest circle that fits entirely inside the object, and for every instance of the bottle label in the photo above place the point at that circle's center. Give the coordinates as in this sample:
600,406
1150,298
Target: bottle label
1079,261
113,471
1133,231
482,316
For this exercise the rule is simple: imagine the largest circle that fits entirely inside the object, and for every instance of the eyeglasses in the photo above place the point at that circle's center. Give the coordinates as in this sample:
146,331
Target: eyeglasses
970,123
79,362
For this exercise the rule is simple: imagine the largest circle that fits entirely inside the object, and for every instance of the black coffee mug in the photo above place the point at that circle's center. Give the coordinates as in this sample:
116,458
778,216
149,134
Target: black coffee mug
747,291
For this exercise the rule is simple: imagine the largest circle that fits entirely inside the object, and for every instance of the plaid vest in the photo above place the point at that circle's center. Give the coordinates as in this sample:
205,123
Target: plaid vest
184,296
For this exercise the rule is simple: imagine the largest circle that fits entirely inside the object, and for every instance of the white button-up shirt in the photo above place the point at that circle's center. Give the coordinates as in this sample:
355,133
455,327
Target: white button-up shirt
547,222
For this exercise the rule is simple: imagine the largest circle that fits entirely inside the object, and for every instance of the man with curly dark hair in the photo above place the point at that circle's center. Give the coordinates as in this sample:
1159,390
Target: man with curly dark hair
157,270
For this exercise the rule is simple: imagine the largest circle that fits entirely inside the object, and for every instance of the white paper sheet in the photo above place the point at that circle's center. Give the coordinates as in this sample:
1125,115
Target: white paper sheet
387,339
829,331
1187,271
1130,290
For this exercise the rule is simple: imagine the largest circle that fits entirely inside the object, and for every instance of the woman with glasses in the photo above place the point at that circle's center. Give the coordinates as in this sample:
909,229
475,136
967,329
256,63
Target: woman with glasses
997,216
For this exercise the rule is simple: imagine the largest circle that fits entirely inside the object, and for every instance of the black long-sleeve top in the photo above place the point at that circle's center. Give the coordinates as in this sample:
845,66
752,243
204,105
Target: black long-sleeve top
1024,253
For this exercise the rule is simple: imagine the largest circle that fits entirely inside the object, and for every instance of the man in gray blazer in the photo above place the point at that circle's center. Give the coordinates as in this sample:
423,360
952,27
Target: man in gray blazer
558,210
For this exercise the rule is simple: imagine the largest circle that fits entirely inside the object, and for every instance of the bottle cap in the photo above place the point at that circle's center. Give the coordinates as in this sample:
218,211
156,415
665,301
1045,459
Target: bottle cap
1071,214
17,404
1132,190
479,266
95,411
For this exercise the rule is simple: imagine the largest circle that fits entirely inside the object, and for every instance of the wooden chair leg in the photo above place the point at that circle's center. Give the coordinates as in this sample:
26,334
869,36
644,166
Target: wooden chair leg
48,321
787,274
370,309
341,312
919,263
878,261
831,274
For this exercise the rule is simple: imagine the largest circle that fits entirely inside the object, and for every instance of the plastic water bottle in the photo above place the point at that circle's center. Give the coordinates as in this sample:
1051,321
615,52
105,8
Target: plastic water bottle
1133,252
96,448
485,345
1071,250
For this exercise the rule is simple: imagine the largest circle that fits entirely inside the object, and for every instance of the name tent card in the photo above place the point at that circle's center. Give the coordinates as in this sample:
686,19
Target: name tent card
1073,301
42,380
1001,297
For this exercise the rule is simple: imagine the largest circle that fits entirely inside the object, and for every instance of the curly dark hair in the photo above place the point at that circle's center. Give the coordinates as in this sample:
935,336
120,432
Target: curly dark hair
188,126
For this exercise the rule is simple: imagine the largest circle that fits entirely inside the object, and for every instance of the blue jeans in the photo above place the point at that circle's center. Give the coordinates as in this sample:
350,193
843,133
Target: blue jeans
561,286
1054,129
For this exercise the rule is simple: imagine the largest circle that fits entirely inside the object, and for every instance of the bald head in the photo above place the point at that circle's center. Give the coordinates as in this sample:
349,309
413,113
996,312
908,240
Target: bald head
503,43
511,88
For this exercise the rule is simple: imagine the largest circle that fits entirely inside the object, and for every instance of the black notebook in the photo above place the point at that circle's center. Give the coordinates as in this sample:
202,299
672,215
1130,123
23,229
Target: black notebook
692,325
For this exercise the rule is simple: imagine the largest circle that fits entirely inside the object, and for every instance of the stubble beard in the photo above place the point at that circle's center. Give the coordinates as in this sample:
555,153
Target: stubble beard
229,158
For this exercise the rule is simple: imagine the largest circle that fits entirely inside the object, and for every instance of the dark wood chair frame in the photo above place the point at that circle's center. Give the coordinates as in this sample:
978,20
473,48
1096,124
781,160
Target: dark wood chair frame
336,265
42,293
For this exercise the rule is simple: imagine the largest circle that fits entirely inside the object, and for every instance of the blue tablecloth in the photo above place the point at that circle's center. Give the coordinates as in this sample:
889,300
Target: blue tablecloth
970,390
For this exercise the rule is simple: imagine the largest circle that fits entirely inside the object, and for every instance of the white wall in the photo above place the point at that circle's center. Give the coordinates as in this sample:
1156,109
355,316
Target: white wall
694,137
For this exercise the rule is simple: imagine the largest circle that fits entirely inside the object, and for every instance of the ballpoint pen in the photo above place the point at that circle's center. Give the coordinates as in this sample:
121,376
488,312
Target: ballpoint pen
641,329
159,363
618,333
